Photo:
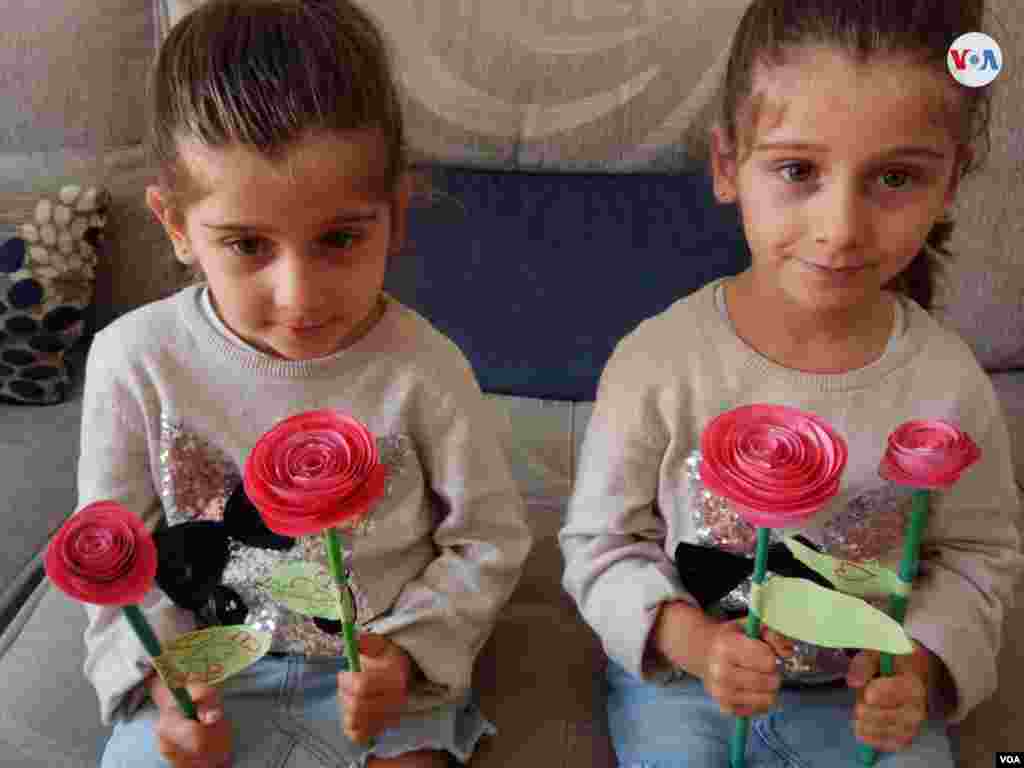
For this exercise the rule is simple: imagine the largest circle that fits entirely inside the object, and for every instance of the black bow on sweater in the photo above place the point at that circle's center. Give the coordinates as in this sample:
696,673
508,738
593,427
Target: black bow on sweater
709,574
192,556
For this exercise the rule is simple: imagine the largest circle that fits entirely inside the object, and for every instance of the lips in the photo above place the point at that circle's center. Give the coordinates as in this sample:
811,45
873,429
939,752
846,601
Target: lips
306,326
839,270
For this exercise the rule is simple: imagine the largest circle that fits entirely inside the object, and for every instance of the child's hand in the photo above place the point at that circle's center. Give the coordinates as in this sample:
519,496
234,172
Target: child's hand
890,710
373,699
186,743
742,673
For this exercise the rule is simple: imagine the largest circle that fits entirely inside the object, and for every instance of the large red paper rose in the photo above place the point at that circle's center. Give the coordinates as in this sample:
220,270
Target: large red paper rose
928,454
313,471
777,465
102,555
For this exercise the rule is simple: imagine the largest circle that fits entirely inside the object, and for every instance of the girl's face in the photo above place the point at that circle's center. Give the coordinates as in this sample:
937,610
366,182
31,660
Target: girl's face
850,167
294,251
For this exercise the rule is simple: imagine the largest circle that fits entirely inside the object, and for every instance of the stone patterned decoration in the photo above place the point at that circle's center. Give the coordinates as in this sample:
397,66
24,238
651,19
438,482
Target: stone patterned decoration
47,272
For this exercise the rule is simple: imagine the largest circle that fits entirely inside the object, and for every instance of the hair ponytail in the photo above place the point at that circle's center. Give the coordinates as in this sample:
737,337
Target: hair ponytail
921,278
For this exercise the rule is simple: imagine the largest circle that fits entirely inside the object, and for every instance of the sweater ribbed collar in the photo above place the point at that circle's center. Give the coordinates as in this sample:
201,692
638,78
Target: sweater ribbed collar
899,352
236,353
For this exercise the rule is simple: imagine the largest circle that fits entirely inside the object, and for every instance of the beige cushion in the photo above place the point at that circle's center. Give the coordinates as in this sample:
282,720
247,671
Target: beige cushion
73,76
72,73
49,715
584,85
987,279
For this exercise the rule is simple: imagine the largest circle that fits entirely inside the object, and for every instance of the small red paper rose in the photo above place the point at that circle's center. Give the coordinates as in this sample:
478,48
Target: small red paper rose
313,471
777,465
928,454
102,555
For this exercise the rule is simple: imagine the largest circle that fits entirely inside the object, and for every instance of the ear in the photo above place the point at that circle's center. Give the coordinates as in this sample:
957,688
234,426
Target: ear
399,212
964,155
171,221
723,166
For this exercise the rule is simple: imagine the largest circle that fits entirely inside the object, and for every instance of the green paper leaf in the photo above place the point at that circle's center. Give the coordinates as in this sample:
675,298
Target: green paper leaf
802,610
860,579
306,588
211,655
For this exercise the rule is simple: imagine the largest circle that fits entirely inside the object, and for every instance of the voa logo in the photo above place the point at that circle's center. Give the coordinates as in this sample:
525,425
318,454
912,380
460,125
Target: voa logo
975,59
1008,758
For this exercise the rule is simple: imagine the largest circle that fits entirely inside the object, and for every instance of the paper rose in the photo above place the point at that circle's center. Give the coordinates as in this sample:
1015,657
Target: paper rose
102,555
928,454
313,471
777,465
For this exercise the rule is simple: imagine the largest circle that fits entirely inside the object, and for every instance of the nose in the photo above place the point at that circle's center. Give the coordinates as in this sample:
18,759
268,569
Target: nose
841,220
299,285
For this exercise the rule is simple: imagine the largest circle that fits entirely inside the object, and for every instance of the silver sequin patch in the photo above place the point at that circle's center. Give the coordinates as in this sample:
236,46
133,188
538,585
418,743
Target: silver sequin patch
196,479
715,522
871,525
867,528
394,451
196,482
248,573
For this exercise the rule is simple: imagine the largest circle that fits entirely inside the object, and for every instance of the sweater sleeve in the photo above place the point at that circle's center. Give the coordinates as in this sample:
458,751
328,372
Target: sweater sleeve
616,568
443,617
970,564
114,465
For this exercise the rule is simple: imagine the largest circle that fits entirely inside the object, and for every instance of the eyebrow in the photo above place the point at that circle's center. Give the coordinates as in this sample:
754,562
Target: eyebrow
345,218
798,146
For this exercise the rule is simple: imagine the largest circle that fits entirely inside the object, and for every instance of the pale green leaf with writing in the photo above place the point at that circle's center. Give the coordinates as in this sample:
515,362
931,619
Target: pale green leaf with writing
306,588
861,579
802,610
211,655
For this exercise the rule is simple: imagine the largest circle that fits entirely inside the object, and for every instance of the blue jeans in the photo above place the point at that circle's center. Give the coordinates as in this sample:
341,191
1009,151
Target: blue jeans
679,724
284,711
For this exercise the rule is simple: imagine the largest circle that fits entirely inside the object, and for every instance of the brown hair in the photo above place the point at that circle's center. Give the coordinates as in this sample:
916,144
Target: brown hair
922,30
264,73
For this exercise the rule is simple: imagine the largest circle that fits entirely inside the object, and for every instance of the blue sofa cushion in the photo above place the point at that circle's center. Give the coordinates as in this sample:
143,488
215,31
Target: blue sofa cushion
537,276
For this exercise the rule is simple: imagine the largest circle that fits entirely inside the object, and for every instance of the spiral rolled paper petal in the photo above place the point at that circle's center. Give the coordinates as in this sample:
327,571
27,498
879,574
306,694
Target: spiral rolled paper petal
102,555
313,471
778,465
928,454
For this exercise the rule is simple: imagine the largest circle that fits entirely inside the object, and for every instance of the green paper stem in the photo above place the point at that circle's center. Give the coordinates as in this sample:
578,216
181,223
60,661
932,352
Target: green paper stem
149,641
738,746
898,603
347,610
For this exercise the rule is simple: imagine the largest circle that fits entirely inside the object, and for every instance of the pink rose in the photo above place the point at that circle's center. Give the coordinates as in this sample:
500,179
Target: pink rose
928,454
102,555
313,471
778,465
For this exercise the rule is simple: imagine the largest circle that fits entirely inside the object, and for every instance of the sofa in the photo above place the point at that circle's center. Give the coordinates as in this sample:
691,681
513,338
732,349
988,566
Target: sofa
564,140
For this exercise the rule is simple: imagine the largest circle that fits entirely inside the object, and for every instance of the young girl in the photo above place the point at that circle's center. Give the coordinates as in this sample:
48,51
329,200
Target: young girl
284,181
842,138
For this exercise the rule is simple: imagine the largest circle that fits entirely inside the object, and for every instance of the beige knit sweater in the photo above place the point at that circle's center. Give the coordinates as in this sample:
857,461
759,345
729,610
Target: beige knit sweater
172,407
634,497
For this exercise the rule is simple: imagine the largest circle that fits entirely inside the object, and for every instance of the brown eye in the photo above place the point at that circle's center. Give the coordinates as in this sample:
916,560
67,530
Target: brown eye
339,239
246,246
896,179
795,173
